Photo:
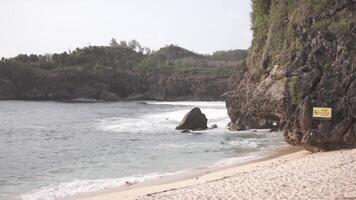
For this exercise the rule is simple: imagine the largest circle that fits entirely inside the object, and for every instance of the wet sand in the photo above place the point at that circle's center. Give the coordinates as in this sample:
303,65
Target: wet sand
301,175
298,175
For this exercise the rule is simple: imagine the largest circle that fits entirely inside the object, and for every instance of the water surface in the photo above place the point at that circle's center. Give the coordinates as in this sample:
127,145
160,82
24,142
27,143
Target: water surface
53,150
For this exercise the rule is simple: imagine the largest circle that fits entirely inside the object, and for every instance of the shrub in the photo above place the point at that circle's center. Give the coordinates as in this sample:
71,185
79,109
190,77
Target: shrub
319,5
321,24
340,26
294,89
260,16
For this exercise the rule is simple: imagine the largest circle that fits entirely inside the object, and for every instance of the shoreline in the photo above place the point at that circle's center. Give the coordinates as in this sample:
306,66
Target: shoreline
189,178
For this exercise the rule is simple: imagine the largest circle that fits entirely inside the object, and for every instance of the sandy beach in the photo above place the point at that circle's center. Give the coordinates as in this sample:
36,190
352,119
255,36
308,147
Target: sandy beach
298,175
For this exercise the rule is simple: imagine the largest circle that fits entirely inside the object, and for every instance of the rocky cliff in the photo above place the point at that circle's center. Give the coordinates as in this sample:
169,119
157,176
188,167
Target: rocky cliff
302,56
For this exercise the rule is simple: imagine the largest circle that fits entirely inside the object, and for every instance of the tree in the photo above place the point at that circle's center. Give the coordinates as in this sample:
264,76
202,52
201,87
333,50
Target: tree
147,50
123,43
136,46
113,43
133,44
33,58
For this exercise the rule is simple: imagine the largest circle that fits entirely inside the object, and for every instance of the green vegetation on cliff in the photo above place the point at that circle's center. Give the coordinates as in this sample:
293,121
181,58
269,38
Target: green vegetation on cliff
119,70
172,59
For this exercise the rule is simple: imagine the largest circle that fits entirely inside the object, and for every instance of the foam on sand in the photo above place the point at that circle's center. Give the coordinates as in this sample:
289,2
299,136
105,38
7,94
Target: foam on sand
327,175
79,187
298,175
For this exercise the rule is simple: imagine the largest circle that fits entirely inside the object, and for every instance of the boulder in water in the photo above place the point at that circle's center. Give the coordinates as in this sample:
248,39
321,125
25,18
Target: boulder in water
274,129
193,120
186,131
213,126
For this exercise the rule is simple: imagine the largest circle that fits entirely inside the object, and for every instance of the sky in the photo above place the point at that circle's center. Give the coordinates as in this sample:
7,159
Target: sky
55,26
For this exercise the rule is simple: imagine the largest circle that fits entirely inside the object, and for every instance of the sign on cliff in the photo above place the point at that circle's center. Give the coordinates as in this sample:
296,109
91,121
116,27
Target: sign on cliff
322,112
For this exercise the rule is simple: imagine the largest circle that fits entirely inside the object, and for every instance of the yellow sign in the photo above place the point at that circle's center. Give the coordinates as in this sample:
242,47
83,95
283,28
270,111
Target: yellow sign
320,112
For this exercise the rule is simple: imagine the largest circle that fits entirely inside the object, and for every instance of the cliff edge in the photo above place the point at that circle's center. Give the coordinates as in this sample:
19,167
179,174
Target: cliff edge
302,56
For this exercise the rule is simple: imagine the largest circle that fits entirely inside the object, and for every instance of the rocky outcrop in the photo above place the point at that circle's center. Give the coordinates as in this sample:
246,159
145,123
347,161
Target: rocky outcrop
302,56
192,87
193,120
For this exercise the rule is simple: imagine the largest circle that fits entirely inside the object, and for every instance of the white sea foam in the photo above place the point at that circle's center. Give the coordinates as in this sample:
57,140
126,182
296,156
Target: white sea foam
125,125
170,145
80,187
212,114
189,103
243,143
137,137
165,120
257,131
235,160
187,145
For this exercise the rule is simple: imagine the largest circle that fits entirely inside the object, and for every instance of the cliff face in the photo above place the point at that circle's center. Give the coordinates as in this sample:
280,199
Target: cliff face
174,73
302,56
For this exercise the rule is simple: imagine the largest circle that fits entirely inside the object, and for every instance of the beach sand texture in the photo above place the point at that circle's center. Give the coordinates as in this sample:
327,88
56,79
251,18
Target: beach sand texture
301,175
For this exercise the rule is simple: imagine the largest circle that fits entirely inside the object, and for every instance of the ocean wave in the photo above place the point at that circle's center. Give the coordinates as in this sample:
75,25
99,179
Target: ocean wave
242,143
187,145
125,125
212,114
81,187
170,145
257,131
189,103
163,121
235,160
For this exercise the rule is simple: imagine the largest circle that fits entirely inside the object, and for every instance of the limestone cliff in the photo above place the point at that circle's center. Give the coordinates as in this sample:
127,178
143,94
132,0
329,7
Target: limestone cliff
302,56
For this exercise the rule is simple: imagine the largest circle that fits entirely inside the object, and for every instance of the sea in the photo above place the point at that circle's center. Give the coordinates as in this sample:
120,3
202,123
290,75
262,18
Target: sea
56,150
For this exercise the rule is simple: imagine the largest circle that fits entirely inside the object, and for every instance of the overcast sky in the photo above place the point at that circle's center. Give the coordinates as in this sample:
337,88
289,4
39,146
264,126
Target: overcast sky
49,26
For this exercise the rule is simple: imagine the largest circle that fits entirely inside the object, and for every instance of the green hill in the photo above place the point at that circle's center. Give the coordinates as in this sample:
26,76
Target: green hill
117,71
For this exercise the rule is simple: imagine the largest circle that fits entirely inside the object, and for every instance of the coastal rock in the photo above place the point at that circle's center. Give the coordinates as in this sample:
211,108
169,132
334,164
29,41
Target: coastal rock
213,126
186,131
309,62
183,87
193,120
273,130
